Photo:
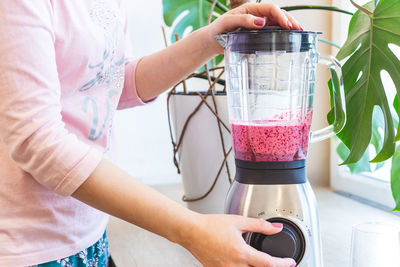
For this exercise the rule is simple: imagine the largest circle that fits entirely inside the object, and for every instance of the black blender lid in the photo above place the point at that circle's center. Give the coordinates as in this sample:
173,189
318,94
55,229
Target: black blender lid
272,29
271,38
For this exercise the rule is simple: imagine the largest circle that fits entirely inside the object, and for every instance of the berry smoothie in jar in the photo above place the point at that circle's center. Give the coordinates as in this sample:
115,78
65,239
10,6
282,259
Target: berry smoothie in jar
275,140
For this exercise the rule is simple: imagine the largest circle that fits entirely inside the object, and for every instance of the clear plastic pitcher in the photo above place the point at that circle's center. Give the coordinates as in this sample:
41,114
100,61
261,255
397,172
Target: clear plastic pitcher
270,83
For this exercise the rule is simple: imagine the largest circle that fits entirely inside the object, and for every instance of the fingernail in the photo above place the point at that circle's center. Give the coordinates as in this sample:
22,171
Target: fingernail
289,24
259,21
301,28
277,225
297,23
293,265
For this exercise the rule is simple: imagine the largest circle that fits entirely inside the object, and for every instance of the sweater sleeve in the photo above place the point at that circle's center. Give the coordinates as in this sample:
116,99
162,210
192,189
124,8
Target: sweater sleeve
129,97
31,125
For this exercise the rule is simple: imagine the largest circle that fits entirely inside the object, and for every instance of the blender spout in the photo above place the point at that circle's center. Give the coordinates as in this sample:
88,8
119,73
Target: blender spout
221,38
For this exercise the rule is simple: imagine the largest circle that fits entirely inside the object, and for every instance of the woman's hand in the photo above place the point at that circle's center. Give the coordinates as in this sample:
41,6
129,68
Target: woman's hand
250,16
217,241
183,57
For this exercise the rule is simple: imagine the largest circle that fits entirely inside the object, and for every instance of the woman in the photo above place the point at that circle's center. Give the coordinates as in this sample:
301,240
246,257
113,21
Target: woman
63,75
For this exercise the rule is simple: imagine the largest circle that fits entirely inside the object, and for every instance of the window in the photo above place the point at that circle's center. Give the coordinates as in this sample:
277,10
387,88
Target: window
374,186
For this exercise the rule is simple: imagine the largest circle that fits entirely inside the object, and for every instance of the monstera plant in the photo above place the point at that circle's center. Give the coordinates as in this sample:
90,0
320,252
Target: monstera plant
372,126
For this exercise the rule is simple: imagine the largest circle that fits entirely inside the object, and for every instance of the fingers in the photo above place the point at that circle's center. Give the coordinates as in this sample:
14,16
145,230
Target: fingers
293,21
273,14
258,258
282,262
259,226
277,16
231,22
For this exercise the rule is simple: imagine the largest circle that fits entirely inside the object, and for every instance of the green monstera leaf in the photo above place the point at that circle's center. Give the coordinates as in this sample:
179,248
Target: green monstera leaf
197,16
369,54
363,165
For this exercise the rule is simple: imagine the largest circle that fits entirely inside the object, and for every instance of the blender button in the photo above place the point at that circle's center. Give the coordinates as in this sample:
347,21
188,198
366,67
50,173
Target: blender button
289,243
281,245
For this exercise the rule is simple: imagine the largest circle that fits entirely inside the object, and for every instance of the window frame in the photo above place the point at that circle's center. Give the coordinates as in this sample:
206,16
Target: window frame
363,186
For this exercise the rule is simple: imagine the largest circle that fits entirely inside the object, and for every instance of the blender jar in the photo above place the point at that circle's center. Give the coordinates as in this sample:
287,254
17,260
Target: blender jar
271,77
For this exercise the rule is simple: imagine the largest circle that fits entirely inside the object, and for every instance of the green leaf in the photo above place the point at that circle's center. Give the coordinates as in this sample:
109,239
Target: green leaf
362,165
396,104
198,12
395,177
369,54
378,123
197,16
376,138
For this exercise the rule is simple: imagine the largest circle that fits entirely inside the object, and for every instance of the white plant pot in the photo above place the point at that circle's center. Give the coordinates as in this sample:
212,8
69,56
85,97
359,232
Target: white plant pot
201,154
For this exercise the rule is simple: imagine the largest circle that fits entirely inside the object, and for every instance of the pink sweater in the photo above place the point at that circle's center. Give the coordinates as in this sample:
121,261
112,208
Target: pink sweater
63,73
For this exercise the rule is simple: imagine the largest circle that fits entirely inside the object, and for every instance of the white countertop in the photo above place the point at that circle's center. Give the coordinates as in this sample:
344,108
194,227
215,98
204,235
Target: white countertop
132,246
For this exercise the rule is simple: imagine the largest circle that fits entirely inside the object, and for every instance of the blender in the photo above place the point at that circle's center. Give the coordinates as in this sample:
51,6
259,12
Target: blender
270,87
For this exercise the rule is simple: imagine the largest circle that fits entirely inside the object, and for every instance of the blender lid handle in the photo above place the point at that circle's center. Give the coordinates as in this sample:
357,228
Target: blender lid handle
338,97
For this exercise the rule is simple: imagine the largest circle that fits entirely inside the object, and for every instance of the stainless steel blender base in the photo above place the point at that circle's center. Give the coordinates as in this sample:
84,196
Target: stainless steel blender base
293,202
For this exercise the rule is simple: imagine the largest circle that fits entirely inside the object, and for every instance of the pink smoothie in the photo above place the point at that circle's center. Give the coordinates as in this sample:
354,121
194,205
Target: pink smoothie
272,140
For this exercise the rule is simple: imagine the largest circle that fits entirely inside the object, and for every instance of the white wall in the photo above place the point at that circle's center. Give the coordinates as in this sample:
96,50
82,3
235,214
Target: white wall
143,141
143,144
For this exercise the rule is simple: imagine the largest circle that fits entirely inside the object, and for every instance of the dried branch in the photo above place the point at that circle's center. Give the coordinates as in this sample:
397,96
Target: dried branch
164,36
211,11
220,6
184,81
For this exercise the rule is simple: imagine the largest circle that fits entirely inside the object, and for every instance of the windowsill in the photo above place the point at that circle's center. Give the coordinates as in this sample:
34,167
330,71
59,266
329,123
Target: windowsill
133,246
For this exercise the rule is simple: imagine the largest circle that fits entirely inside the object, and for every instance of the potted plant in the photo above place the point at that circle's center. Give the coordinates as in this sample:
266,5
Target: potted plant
372,117
198,120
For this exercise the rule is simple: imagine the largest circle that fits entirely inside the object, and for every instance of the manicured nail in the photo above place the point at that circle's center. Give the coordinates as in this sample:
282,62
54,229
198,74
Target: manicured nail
293,265
277,225
297,23
289,24
301,28
259,21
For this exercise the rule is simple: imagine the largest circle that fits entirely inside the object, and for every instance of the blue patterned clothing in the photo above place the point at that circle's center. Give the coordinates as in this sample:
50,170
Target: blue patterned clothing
96,255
